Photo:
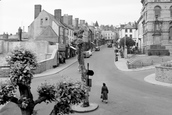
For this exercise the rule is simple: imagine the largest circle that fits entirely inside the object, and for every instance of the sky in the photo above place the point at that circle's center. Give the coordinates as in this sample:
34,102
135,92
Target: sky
20,13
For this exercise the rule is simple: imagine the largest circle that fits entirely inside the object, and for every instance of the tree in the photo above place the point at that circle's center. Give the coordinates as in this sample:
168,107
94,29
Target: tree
126,41
22,63
80,48
96,24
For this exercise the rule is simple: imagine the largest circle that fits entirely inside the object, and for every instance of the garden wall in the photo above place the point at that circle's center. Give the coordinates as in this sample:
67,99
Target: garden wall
48,63
40,48
42,65
163,74
47,56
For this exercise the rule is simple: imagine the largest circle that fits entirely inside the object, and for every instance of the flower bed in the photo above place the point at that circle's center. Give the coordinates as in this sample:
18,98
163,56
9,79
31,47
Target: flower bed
164,72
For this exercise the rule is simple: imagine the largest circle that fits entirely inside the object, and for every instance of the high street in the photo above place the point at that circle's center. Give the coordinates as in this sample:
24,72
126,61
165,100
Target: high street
129,94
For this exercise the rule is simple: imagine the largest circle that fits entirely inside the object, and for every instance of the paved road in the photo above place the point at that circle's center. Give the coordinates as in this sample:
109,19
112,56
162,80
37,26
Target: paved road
129,93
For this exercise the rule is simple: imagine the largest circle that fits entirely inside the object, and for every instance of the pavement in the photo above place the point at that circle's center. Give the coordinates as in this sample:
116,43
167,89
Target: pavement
120,64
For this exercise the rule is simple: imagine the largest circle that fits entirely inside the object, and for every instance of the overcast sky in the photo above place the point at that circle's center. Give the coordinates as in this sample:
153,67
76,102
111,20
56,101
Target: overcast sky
19,13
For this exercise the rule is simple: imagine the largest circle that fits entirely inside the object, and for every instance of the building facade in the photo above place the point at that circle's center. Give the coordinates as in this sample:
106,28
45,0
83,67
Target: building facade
108,35
157,23
139,32
128,30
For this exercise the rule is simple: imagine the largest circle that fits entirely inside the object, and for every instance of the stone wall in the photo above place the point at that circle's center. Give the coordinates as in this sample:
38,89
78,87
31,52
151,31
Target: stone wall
47,55
43,65
40,48
48,63
163,74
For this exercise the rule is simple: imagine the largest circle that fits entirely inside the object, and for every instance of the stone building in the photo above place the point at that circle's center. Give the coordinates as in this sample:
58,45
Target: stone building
157,24
128,30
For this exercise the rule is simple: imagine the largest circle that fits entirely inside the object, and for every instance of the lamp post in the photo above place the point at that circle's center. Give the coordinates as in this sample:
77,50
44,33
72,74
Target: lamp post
140,44
125,47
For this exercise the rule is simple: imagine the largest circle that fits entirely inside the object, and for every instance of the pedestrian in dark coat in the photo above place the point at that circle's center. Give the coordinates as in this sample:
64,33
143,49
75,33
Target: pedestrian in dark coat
104,93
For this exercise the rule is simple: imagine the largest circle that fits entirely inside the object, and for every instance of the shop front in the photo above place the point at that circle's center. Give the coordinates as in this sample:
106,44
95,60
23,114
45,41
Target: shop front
62,53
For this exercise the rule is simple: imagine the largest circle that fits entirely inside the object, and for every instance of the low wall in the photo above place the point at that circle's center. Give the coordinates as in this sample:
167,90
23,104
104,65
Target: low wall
40,48
48,63
163,74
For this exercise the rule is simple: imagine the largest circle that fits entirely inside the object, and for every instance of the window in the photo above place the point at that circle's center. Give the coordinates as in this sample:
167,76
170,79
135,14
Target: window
171,11
41,21
46,19
130,36
125,30
170,33
126,35
157,10
130,30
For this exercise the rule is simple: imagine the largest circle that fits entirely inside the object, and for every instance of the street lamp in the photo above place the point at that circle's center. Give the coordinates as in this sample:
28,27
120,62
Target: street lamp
140,44
125,47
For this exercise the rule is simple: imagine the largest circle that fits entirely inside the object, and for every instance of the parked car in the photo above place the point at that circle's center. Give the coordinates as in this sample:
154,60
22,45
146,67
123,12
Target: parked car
97,48
109,45
87,54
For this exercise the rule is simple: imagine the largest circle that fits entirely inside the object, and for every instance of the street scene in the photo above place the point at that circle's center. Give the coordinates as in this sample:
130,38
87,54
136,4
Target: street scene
64,65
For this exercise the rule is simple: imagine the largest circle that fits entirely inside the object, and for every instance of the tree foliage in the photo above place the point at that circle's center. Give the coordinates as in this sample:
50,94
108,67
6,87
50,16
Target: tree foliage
68,93
22,63
129,42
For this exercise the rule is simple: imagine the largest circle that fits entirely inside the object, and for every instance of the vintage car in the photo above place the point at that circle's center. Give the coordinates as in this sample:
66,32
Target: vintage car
97,48
109,45
87,54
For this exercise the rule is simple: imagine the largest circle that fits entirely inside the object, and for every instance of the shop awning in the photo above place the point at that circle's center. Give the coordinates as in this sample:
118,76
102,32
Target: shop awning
73,47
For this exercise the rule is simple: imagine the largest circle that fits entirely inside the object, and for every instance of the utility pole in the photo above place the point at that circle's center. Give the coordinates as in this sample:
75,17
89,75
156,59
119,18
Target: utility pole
84,76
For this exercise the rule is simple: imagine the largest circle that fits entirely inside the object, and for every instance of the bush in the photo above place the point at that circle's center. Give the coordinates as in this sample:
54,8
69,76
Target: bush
149,53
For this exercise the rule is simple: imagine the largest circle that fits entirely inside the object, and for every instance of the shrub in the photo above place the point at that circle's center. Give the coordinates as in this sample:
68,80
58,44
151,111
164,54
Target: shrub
167,64
149,53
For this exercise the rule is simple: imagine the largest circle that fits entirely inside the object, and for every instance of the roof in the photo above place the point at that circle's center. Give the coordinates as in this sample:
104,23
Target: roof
48,34
128,26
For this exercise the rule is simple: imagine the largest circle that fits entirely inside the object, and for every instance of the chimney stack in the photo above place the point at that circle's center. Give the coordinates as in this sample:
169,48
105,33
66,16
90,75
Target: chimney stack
70,19
57,14
65,19
76,23
82,22
38,9
20,34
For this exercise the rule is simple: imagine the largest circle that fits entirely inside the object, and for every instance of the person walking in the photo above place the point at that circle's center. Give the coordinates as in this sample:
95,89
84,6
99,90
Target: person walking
104,93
